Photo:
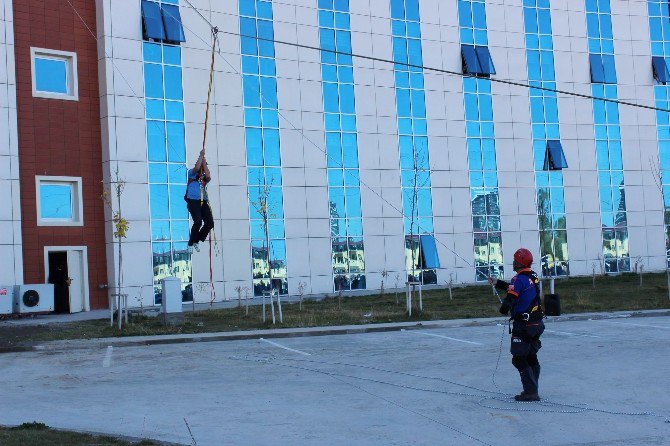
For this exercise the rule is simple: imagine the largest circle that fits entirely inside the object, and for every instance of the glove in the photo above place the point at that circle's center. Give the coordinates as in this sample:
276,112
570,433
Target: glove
506,305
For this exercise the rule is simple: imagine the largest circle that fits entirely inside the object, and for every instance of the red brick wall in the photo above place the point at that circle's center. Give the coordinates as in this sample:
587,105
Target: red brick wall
59,137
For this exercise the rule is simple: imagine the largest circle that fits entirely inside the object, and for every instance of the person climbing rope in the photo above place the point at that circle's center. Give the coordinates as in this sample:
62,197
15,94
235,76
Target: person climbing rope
523,299
197,202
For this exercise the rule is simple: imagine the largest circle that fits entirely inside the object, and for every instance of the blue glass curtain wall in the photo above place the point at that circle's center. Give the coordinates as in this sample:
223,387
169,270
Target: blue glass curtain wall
545,128
659,30
166,144
608,140
261,120
480,133
412,135
344,191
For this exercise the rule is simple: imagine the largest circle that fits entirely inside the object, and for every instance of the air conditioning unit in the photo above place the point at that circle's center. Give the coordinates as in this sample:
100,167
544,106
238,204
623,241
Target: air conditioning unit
6,299
34,298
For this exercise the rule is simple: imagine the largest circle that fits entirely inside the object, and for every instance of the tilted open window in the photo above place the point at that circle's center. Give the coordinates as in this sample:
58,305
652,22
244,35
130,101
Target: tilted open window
429,256
162,22
554,158
603,69
174,30
477,60
660,69
152,21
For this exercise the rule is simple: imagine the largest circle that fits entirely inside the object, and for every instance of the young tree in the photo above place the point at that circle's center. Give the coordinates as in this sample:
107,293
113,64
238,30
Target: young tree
121,226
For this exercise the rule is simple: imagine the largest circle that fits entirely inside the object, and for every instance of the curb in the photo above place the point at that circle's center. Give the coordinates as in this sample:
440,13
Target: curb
84,344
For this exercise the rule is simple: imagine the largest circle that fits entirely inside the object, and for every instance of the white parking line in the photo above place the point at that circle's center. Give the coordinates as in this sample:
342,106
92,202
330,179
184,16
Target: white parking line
285,348
630,323
571,334
108,357
441,336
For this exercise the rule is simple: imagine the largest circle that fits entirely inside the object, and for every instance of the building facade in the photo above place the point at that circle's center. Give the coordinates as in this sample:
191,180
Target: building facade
333,172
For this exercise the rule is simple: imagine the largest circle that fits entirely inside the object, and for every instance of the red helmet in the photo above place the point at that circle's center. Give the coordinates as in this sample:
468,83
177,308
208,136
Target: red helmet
523,257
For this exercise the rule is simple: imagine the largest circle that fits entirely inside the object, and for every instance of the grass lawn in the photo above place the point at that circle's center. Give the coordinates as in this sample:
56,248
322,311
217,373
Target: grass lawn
577,295
37,434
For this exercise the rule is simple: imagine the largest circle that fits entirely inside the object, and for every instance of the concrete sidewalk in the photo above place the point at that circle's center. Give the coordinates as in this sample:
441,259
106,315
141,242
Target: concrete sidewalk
278,333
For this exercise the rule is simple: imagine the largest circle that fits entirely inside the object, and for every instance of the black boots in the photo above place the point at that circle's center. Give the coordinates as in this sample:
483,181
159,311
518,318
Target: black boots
529,379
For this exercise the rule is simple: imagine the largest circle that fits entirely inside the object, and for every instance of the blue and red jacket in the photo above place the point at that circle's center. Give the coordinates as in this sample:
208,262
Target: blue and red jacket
522,293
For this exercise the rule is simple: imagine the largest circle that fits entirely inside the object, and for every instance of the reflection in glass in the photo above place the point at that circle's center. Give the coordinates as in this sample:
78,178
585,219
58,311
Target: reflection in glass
481,150
412,142
261,119
607,132
166,141
660,47
348,260
544,116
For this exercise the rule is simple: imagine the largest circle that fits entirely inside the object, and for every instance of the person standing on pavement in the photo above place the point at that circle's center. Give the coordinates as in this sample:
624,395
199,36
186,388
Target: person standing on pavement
197,202
523,305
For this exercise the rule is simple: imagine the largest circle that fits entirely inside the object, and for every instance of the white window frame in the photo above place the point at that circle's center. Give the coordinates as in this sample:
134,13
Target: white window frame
77,201
70,59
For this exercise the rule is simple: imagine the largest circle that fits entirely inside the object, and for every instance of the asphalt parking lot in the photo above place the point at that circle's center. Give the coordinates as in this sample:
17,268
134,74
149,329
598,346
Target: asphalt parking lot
418,387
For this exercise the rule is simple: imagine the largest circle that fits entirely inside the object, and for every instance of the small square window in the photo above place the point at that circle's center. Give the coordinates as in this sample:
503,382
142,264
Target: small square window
54,74
59,201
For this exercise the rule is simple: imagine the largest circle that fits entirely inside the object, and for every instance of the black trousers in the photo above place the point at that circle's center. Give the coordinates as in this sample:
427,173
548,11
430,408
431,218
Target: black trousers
525,344
203,221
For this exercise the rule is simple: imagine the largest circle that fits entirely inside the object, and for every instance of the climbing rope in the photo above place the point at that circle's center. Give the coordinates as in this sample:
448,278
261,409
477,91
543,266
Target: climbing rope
215,37
484,396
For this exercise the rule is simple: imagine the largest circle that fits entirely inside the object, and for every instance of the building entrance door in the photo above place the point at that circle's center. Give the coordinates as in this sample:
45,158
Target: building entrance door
66,268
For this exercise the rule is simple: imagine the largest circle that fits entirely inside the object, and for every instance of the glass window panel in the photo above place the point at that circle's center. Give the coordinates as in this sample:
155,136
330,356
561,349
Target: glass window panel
56,201
171,54
176,142
255,176
472,64
349,150
152,21
153,80
152,52
266,48
180,230
271,152
276,229
156,141
51,75
160,230
174,111
273,176
353,202
252,117
155,109
337,207
177,173
355,227
254,147
174,30
158,173
251,87
267,67
177,208
159,201
270,118
338,227
335,177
